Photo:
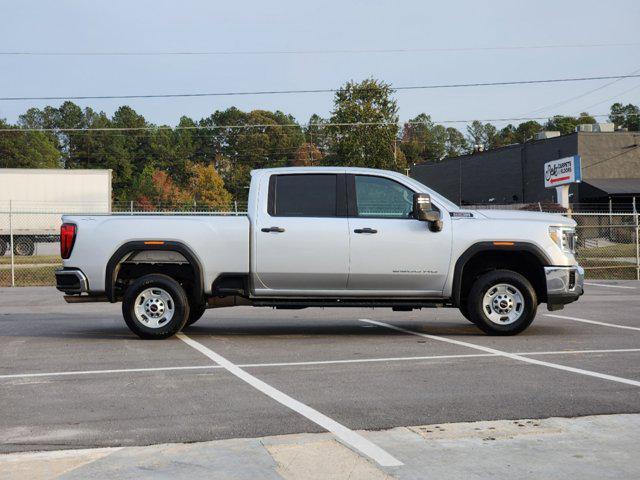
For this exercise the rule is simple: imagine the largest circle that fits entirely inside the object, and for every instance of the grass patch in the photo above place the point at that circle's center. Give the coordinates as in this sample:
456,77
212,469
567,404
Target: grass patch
608,270
617,250
29,277
6,260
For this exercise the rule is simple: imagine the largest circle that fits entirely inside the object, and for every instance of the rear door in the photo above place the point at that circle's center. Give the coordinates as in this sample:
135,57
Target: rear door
302,236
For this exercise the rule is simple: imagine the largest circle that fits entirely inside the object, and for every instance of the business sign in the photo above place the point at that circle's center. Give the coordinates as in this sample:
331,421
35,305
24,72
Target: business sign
562,171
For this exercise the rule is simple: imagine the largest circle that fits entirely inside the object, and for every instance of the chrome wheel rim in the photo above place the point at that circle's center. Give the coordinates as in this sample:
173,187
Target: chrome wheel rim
503,304
154,307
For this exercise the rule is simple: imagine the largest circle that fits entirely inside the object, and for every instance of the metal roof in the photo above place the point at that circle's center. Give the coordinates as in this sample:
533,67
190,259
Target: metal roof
615,186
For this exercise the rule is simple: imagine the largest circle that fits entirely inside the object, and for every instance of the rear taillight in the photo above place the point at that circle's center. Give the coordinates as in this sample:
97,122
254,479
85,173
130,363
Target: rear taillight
67,239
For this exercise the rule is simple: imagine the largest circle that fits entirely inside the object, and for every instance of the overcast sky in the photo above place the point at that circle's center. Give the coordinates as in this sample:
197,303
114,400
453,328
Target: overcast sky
191,25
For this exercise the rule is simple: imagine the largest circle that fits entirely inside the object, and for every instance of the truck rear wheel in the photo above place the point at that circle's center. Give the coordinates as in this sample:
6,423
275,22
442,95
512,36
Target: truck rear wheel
502,302
155,306
3,247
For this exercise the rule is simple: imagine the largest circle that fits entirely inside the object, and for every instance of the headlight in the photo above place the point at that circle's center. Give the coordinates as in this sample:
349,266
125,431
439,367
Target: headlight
564,237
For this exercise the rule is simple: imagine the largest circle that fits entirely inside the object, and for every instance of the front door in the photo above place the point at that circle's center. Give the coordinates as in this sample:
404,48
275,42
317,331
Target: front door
391,253
302,239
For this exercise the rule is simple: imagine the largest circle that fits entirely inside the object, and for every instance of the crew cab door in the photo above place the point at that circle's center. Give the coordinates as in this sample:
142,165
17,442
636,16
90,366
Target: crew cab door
301,236
392,253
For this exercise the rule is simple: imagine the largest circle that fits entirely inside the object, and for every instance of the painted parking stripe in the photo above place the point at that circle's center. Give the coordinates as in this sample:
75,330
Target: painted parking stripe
96,372
594,322
308,363
347,436
608,286
513,356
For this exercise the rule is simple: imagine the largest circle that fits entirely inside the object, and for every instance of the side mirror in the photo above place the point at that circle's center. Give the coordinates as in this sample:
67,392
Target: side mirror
423,211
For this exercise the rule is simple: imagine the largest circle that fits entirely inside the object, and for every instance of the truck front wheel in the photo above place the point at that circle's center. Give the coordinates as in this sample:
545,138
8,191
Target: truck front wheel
155,306
195,313
502,302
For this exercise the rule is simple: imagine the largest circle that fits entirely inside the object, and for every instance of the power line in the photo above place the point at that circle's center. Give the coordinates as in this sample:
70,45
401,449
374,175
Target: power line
612,98
576,97
286,125
322,90
313,52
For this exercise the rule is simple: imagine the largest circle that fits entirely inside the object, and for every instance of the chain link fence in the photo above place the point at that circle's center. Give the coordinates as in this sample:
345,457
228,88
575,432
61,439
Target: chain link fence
30,234
608,245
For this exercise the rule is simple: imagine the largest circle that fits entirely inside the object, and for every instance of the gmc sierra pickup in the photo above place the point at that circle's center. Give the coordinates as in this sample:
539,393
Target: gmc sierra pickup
324,237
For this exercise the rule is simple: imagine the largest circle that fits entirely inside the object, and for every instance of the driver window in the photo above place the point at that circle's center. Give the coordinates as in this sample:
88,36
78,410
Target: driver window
379,197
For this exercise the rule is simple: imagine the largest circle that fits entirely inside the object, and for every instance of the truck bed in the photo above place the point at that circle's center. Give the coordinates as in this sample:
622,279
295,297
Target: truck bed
220,243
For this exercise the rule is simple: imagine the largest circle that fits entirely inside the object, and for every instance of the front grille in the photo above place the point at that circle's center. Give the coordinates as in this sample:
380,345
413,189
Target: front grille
572,279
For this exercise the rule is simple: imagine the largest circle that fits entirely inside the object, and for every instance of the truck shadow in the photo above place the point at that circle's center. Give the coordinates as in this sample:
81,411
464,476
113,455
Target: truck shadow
23,325
463,329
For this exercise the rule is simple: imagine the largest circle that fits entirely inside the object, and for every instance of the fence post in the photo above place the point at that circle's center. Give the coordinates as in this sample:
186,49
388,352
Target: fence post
13,266
131,207
235,206
610,220
635,217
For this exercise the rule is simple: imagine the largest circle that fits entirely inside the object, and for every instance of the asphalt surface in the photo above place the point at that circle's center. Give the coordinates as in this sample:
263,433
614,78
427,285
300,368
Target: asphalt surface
362,375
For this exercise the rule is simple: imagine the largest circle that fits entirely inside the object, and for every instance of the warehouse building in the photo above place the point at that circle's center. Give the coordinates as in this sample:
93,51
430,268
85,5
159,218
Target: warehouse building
515,173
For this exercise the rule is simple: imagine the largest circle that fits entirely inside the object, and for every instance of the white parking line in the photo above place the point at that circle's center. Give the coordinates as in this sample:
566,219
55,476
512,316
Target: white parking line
608,286
347,436
94,372
513,356
308,363
584,320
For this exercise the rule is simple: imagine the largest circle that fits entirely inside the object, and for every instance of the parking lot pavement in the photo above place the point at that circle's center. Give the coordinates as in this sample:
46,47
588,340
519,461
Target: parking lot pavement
556,448
73,376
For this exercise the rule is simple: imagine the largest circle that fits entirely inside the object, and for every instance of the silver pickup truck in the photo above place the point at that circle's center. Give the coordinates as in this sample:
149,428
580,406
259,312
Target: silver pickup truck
324,237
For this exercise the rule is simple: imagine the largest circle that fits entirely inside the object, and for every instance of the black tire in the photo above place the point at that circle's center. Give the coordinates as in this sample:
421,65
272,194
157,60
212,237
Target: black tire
480,316
195,313
3,247
464,311
24,246
177,299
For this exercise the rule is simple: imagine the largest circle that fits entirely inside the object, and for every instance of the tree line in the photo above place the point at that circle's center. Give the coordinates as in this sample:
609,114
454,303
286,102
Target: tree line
208,161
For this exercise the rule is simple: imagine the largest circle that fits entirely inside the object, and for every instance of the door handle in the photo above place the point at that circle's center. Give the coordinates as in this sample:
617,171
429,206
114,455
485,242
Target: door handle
365,230
273,229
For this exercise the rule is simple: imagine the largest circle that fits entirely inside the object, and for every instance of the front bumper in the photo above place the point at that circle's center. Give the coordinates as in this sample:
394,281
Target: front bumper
71,281
564,285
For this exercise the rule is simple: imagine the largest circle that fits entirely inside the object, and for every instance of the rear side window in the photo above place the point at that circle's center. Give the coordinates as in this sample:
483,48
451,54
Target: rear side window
306,195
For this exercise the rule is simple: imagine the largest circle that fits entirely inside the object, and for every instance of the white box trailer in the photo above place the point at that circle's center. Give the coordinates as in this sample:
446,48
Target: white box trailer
32,202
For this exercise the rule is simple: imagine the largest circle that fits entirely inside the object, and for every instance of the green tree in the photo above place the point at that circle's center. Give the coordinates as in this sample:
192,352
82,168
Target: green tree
565,124
484,135
372,144
317,133
27,149
424,141
259,139
454,142
173,150
626,116
520,134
